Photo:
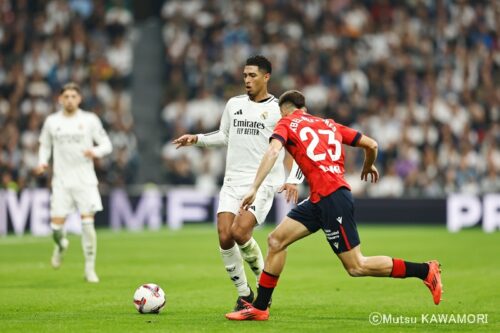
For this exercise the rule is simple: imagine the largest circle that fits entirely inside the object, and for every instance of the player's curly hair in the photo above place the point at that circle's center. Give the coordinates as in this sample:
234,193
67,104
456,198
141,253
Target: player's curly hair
260,61
294,97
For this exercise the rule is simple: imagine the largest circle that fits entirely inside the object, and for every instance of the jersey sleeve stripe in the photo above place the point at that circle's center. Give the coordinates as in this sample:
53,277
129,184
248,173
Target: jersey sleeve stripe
278,137
211,133
356,139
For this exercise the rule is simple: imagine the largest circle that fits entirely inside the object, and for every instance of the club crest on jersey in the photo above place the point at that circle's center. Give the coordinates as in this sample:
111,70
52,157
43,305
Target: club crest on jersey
264,115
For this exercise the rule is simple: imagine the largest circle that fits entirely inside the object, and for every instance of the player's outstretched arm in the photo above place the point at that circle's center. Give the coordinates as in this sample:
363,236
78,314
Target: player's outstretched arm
216,138
370,147
186,140
265,167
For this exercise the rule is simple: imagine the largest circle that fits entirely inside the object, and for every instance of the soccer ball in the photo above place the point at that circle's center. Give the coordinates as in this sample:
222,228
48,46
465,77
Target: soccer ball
149,298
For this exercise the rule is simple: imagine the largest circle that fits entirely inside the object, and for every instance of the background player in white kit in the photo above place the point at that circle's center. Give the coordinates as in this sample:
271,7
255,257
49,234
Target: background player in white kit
246,126
71,133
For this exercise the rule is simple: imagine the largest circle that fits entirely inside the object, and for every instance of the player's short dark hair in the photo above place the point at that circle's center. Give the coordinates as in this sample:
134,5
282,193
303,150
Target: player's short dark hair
71,86
261,62
294,97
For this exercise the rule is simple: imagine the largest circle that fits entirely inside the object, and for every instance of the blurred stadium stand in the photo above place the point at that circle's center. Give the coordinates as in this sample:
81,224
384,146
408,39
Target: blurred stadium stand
45,44
421,77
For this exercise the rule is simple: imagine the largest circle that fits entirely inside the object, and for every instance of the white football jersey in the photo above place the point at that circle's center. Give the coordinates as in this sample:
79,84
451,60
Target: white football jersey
246,127
70,136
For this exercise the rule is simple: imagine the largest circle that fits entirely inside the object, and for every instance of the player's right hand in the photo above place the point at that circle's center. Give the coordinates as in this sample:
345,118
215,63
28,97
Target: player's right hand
40,169
248,199
370,170
292,193
185,140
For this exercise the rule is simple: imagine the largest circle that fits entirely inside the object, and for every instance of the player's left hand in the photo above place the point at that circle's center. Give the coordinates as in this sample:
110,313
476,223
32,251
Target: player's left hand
370,170
292,192
89,153
40,169
248,199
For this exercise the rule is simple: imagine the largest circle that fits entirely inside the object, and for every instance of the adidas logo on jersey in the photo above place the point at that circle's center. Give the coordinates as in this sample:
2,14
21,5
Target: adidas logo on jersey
239,112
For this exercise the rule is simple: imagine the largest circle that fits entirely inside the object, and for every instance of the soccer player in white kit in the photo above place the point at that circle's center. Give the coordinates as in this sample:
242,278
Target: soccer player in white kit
71,133
246,127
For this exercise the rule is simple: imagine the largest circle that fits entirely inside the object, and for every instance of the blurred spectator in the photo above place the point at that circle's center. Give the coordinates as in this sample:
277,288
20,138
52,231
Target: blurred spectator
389,185
45,44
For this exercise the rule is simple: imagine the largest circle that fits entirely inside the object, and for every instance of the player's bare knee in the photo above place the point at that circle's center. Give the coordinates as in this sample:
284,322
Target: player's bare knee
226,240
274,243
356,269
240,234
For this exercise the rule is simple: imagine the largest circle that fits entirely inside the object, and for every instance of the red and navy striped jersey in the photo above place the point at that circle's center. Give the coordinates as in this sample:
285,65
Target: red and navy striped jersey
316,145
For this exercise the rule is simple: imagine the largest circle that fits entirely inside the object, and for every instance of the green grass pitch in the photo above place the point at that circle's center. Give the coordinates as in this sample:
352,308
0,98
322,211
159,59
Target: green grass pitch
314,293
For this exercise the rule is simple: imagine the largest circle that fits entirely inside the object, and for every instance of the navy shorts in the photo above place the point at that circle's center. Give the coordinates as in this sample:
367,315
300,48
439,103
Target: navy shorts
335,215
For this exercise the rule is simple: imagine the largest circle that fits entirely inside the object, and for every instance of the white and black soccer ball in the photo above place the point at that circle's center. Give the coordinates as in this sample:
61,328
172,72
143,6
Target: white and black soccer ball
149,298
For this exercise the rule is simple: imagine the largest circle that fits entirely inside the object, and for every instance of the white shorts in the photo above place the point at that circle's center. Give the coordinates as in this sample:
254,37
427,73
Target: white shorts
230,199
64,201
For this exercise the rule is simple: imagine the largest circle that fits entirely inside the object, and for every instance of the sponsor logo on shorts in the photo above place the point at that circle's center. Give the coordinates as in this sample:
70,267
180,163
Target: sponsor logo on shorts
331,235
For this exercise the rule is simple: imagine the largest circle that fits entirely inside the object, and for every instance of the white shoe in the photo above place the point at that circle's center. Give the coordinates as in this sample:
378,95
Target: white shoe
91,276
57,255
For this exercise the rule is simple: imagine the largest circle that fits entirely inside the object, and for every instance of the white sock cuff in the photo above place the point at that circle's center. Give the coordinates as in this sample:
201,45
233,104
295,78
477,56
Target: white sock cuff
56,227
251,241
87,220
229,252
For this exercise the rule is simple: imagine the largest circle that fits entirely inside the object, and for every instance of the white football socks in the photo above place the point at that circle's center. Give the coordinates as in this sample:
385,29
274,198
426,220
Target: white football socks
89,243
234,267
251,253
58,234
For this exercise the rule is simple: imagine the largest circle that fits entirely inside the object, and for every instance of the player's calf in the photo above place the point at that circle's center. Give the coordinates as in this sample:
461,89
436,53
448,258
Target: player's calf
58,233
233,264
251,253
61,243
368,266
89,246
57,254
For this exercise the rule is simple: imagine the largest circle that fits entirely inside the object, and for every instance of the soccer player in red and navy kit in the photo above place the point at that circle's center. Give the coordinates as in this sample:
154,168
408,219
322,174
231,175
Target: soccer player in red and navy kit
316,146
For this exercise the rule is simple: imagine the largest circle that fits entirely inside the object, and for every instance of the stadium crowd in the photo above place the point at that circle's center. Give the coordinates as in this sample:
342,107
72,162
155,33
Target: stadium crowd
421,77
45,44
